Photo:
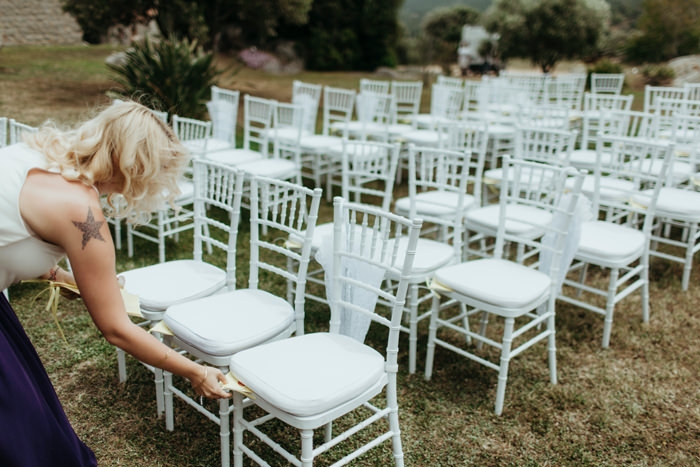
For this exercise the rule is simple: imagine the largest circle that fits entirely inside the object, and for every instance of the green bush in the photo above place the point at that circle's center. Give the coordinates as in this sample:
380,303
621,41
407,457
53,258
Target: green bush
603,66
658,75
171,75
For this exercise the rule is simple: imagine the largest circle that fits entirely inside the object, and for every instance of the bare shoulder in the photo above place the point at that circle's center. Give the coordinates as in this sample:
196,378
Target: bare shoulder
66,213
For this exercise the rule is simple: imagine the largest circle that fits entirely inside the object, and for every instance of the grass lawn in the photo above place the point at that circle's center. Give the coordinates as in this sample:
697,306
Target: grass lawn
634,404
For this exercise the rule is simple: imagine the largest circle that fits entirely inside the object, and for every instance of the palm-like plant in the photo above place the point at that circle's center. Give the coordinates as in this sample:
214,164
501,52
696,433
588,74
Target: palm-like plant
172,75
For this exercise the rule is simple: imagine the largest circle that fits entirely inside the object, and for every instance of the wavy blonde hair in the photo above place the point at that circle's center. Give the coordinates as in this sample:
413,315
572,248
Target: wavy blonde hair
125,141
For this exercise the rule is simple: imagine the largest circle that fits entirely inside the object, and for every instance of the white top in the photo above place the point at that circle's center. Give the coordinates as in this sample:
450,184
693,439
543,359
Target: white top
23,255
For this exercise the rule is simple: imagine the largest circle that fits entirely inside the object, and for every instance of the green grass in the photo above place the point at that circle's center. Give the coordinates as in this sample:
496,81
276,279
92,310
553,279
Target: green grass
634,404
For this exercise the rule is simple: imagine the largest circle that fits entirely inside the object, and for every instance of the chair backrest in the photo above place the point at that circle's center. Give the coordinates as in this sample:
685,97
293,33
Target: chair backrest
375,111
338,105
545,145
218,190
288,122
567,90
607,83
192,133
308,95
640,168
630,123
653,93
223,112
470,137
369,171
407,98
288,210
594,106
538,216
378,86
17,129
692,91
370,245
433,169
257,121
446,101
3,132
549,115
451,81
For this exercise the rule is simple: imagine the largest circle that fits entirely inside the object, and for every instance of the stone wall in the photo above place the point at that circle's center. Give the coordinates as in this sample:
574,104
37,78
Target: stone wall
37,22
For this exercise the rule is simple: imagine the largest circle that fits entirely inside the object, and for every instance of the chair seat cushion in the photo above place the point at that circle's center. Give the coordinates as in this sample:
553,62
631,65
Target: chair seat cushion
495,176
234,156
433,203
228,322
587,158
609,244
673,202
423,137
485,220
273,168
310,374
497,282
312,143
430,255
611,189
159,286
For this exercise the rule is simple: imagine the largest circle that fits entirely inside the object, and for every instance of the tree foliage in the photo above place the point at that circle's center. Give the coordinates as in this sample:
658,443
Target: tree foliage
441,32
667,29
548,31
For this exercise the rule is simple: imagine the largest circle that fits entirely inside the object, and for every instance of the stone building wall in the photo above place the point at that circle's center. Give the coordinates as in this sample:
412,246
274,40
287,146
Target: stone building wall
37,22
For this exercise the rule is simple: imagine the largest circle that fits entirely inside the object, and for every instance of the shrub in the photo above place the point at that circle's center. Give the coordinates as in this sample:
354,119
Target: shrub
658,75
171,75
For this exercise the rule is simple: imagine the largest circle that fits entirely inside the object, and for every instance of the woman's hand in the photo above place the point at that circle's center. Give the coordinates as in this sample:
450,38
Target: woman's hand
209,385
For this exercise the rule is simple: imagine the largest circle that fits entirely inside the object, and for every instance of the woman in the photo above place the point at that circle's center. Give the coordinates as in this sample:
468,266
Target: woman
49,208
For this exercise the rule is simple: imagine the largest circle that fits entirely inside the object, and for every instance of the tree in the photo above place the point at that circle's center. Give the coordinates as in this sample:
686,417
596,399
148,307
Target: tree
441,31
548,31
667,29
201,20
349,34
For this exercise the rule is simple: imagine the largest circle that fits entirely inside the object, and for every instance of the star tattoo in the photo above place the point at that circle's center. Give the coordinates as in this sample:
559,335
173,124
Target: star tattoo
90,228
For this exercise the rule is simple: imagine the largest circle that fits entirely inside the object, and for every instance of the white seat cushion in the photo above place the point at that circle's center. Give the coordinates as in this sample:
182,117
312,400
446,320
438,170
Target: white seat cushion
159,286
485,219
587,158
611,189
423,137
430,255
273,168
310,374
312,143
495,281
433,203
673,202
234,156
226,323
609,244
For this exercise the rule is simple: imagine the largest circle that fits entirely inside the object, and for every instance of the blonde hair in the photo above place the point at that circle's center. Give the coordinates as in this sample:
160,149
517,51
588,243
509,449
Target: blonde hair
125,141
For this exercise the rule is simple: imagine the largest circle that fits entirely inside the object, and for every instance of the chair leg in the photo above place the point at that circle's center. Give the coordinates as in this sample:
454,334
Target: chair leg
225,432
393,404
505,361
610,307
432,332
121,365
160,397
168,401
689,253
237,429
307,448
552,344
412,327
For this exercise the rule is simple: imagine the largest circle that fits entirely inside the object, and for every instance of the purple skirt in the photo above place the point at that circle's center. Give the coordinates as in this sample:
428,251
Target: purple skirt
34,429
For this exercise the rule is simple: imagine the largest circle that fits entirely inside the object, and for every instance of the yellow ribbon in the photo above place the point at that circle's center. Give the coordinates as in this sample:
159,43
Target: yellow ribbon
55,290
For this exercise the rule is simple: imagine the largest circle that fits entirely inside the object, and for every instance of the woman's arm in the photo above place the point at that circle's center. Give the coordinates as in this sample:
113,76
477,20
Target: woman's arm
73,219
